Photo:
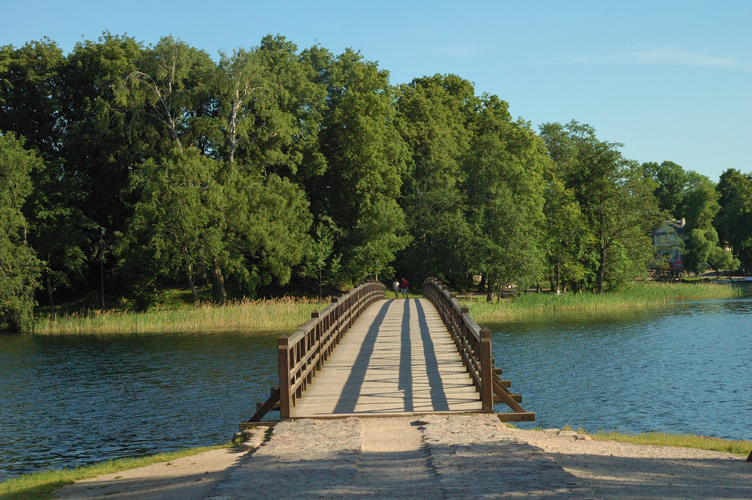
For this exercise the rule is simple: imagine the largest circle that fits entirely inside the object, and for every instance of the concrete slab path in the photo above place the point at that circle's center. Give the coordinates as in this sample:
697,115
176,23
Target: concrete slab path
397,358
432,457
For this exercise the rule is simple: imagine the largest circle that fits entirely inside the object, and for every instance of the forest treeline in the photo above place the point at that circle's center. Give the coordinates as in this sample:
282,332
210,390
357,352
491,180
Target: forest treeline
156,166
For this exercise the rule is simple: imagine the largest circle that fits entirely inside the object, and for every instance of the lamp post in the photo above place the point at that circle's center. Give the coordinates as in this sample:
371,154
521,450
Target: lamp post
101,262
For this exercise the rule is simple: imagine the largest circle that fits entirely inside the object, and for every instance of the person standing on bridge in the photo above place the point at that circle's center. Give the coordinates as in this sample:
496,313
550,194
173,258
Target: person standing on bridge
404,285
395,287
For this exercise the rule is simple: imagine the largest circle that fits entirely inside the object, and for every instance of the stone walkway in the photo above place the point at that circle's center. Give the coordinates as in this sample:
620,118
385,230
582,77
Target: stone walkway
397,358
438,456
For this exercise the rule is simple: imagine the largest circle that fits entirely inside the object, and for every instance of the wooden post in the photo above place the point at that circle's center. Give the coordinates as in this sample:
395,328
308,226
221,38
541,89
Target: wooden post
486,371
283,348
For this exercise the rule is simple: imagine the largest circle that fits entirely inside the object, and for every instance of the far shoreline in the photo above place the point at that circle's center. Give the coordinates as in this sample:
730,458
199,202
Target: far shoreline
285,315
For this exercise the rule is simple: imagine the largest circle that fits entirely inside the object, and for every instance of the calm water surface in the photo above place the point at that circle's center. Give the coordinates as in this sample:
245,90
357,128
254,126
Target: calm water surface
687,369
66,401
72,400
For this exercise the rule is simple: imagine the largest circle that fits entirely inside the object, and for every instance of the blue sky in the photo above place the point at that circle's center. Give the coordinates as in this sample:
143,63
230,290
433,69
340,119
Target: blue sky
672,80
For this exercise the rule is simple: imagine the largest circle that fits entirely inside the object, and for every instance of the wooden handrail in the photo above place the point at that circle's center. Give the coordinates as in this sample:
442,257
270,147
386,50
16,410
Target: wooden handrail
474,346
302,354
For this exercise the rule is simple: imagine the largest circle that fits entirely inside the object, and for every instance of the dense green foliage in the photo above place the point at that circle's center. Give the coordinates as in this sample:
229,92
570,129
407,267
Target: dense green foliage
19,266
156,166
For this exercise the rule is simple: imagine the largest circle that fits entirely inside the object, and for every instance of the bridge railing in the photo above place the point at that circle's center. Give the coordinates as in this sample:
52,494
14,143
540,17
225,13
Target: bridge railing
302,354
473,343
474,346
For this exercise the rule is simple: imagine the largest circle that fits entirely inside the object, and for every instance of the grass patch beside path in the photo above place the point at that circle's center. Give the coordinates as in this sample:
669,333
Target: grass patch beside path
42,485
236,316
677,440
637,296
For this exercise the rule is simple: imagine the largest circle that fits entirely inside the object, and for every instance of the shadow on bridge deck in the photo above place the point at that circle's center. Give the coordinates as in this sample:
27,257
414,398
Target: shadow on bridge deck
397,358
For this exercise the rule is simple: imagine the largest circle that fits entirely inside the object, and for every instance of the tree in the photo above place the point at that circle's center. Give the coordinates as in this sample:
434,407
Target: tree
320,263
701,201
172,87
366,160
671,183
30,94
101,142
504,171
697,249
433,121
735,219
241,83
702,245
177,224
721,259
566,236
268,219
19,266
614,196
32,104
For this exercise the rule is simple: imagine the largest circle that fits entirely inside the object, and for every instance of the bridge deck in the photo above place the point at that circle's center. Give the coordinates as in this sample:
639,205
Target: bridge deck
397,358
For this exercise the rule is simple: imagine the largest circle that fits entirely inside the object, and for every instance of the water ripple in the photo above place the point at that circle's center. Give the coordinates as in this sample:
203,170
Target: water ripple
684,369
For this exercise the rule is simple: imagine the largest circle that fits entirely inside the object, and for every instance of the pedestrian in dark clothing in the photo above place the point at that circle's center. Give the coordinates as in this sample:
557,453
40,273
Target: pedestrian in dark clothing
404,285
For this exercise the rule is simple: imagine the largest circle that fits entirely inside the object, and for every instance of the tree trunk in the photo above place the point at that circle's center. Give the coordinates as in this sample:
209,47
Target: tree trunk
489,291
204,277
557,272
601,270
218,284
192,284
48,284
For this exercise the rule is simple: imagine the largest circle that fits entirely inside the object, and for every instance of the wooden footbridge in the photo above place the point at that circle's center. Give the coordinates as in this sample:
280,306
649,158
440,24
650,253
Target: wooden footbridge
368,355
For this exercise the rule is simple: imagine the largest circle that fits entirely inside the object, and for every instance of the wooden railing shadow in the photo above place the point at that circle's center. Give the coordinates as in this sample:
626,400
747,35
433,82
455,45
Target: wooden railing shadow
474,346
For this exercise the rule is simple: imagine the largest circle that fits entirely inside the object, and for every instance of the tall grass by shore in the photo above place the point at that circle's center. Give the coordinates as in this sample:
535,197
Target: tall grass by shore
241,316
636,296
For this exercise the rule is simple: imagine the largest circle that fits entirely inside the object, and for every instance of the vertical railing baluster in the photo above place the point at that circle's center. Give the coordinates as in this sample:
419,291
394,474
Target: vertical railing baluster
486,370
283,348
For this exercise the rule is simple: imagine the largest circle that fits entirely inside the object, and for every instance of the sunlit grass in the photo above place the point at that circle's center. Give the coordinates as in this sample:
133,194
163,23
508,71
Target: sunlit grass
637,296
237,316
42,485
738,447
677,440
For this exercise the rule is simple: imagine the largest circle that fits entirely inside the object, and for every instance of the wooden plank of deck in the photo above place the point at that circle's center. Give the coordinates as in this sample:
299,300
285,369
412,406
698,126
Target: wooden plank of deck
397,358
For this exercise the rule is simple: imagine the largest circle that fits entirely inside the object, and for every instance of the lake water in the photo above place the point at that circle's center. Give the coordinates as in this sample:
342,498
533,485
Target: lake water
72,400
67,401
686,369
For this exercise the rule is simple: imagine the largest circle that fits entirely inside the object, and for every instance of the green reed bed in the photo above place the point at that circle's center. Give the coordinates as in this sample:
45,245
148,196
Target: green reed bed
236,316
42,485
636,296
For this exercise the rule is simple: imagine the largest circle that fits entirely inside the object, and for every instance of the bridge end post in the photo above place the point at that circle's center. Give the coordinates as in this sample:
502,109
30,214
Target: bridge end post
486,371
283,346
